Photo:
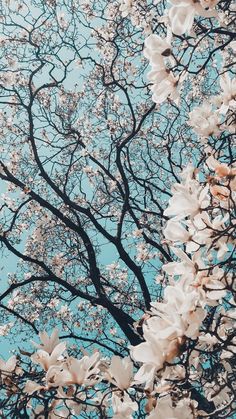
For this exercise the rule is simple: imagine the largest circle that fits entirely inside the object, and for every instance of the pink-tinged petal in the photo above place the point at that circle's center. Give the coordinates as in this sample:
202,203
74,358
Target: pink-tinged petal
31,387
11,363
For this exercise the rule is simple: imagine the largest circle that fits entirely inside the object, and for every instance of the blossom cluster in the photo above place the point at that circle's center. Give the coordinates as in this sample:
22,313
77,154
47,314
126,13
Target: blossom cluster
216,114
198,231
167,79
164,82
187,340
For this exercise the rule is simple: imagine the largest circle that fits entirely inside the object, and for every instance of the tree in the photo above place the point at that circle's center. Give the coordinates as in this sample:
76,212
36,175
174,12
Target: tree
119,205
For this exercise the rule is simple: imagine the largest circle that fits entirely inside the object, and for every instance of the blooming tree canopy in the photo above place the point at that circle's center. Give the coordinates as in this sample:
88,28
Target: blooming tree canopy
118,185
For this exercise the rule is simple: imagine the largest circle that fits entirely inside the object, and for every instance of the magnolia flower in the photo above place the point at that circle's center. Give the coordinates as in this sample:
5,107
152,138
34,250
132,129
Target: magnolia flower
205,121
182,14
223,170
120,372
165,410
58,414
209,287
159,72
175,232
182,17
31,387
164,82
194,321
145,375
155,45
48,342
177,298
123,407
228,87
186,267
179,314
167,87
221,247
168,327
7,367
205,229
82,371
176,372
187,201
220,192
74,371
126,7
45,359
220,169
152,351
58,375
161,344
188,174
206,339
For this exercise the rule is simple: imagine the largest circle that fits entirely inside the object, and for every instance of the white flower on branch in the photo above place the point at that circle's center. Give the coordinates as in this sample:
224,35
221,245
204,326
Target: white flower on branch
7,367
179,313
183,12
48,342
123,406
165,409
168,87
187,200
31,387
175,232
45,359
228,87
205,121
120,372
156,46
